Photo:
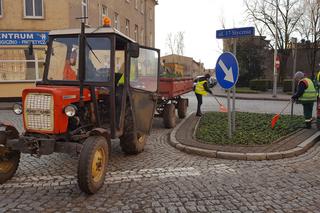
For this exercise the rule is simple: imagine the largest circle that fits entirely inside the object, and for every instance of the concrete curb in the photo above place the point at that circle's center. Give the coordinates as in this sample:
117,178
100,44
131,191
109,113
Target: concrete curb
255,98
300,149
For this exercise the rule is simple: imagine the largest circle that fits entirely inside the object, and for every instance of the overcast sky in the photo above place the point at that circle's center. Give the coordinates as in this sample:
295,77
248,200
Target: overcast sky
199,20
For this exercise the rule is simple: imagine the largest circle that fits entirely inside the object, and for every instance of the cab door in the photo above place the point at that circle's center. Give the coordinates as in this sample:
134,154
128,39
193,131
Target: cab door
144,81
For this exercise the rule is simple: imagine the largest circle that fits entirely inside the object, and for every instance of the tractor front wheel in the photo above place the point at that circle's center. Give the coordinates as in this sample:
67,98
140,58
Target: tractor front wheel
92,164
9,162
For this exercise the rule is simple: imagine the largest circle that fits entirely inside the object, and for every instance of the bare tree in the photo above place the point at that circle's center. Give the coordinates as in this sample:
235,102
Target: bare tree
179,38
309,28
262,13
175,43
171,43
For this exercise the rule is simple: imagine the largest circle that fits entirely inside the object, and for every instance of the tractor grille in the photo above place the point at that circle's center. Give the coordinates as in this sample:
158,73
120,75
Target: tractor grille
38,111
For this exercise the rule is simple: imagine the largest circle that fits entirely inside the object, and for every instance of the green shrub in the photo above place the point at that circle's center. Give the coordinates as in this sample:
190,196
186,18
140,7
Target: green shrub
287,85
260,84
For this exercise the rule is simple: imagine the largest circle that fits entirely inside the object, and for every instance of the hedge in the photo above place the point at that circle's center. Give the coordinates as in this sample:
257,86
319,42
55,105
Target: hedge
260,84
287,85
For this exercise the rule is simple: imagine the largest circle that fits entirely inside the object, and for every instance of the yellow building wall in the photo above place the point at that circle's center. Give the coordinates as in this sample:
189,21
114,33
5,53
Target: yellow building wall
13,89
56,17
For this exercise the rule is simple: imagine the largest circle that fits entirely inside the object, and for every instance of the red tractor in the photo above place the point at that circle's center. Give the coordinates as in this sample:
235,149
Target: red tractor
98,85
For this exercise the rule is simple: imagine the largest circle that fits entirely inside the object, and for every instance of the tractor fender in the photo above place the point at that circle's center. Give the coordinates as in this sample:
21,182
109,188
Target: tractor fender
102,132
7,132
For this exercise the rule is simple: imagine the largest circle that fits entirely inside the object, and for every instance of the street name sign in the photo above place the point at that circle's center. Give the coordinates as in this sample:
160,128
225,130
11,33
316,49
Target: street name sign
23,38
235,32
227,70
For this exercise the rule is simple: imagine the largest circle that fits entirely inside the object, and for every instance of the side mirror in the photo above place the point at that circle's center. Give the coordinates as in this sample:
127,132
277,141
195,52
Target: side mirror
134,50
30,49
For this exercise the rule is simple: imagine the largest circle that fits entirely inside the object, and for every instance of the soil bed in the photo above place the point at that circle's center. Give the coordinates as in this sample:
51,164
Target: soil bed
251,128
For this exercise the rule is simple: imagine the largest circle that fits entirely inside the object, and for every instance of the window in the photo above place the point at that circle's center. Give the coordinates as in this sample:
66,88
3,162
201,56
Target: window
128,27
33,8
136,33
17,65
142,6
0,8
104,12
116,21
64,59
136,5
144,70
84,9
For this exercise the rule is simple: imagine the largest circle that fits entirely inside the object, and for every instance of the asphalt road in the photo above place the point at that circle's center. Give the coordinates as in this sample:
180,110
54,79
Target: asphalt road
163,179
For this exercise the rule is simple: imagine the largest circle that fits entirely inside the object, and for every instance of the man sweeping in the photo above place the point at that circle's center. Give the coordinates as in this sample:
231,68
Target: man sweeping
306,95
201,88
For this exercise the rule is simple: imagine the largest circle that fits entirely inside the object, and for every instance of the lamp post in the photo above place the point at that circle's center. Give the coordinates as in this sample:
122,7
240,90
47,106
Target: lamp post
275,74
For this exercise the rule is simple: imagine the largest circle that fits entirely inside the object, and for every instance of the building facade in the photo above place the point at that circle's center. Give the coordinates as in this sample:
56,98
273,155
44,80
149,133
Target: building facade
28,21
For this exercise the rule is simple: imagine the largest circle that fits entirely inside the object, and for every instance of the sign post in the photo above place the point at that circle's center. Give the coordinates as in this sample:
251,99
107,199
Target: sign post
227,74
233,66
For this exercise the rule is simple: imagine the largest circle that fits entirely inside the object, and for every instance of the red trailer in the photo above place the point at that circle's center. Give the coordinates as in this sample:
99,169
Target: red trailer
170,91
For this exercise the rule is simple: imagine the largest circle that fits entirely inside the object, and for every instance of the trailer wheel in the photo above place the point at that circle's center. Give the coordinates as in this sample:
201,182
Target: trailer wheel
9,162
92,164
182,107
169,116
131,143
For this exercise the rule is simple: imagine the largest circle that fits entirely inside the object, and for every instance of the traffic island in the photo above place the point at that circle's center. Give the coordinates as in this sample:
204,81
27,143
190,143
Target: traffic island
282,142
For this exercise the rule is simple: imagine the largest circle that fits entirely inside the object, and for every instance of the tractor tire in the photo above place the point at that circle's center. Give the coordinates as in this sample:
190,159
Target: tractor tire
92,164
169,116
9,162
182,107
131,143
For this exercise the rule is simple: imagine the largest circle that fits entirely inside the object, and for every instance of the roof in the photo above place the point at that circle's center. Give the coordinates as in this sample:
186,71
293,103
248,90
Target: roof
99,30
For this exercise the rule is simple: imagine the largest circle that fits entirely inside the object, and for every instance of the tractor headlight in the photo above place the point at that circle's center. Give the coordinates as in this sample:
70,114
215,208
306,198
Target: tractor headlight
70,110
17,109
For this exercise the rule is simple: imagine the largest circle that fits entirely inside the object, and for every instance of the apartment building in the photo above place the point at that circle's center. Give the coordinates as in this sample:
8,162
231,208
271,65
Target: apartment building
23,22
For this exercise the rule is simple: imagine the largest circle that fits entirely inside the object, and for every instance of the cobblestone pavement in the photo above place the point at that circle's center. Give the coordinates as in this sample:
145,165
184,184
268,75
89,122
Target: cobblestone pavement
163,179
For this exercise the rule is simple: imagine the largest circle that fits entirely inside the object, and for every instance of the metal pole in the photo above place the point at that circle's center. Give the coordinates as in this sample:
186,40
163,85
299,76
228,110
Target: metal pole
229,116
294,42
234,92
275,74
294,48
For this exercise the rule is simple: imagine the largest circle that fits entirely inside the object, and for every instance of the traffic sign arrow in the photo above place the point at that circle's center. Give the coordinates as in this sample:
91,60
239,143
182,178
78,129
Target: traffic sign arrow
228,72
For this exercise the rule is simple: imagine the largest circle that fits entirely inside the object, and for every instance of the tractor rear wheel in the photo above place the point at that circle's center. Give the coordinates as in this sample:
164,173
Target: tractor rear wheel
169,116
9,162
182,107
92,164
131,142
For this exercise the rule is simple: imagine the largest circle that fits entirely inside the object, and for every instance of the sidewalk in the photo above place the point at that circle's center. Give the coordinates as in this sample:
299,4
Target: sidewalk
183,138
219,92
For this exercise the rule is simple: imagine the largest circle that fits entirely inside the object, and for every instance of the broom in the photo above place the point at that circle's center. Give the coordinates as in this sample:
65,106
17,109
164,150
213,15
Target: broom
222,108
275,118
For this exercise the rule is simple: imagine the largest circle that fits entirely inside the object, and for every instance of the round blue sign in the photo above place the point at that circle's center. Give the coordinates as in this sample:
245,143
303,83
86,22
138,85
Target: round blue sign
227,70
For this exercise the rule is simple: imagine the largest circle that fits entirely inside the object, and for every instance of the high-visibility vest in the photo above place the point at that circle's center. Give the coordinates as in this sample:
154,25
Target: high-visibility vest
200,88
121,80
310,93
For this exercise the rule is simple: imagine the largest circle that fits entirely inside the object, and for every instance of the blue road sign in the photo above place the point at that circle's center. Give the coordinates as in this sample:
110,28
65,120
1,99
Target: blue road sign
23,38
227,70
235,32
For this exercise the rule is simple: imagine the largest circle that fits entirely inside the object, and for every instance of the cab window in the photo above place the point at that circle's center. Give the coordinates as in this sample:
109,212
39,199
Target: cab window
144,70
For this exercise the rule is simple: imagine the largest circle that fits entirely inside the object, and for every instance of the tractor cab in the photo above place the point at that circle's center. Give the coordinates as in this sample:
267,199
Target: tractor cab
98,85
